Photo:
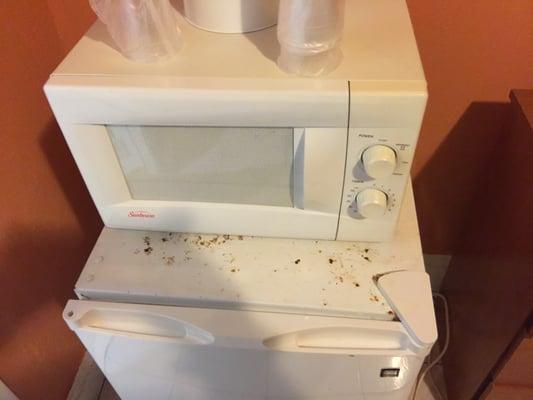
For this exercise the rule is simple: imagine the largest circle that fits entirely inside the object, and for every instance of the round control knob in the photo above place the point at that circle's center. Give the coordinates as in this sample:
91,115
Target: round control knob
379,161
371,203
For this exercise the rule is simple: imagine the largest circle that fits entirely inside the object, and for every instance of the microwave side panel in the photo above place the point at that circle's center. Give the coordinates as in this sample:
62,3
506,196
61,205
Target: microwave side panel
380,118
85,105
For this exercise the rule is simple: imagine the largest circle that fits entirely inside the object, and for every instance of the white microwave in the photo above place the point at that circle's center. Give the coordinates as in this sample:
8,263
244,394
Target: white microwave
220,140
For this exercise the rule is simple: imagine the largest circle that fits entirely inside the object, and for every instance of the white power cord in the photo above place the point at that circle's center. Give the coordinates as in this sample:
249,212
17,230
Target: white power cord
446,343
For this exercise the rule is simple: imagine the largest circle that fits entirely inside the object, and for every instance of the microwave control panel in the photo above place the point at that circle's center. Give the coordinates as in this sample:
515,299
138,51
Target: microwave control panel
377,169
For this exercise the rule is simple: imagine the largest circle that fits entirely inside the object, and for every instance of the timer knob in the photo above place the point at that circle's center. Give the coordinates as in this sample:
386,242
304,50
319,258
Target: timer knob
371,203
379,161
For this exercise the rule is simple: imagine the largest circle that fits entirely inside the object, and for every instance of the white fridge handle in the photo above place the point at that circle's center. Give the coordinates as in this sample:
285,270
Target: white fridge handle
136,324
340,339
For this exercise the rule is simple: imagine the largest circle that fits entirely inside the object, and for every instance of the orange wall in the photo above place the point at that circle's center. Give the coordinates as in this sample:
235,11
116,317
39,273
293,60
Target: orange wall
47,221
474,52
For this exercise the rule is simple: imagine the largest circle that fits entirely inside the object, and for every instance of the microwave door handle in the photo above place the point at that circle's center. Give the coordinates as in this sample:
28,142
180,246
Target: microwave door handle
299,168
137,324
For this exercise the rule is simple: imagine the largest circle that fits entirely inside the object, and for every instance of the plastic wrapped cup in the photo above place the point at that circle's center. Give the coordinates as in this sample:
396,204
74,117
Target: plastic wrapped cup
309,33
144,30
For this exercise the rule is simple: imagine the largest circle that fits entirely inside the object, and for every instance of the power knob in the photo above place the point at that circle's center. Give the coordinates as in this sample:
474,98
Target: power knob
371,203
379,161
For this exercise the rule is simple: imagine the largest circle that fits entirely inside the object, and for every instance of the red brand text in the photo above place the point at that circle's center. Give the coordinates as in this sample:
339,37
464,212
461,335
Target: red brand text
140,214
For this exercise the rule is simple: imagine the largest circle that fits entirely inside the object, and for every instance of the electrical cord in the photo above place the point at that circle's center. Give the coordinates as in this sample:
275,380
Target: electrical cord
446,343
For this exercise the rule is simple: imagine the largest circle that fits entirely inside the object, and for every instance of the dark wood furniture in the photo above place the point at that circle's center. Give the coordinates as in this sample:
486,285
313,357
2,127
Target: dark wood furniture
489,284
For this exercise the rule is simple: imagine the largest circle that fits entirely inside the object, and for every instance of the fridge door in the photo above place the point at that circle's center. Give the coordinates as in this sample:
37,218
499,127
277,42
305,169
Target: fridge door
162,352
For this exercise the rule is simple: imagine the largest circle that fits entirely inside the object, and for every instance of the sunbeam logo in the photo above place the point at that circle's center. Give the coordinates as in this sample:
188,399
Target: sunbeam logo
140,214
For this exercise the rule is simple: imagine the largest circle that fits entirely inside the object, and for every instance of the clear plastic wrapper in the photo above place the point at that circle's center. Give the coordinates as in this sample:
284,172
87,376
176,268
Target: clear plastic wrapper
144,30
309,33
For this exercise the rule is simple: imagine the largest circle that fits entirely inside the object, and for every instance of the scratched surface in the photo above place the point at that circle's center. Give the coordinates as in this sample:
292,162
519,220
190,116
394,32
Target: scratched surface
262,274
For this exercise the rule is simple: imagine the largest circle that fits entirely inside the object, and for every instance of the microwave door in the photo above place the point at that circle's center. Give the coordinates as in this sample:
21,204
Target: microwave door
319,168
204,164
278,182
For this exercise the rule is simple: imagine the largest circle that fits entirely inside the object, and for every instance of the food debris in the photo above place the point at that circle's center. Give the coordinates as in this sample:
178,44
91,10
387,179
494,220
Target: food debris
356,284
146,240
241,237
148,250
164,239
374,298
297,261
331,260
169,260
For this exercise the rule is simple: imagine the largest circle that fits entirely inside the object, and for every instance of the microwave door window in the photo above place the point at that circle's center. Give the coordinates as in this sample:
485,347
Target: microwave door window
207,164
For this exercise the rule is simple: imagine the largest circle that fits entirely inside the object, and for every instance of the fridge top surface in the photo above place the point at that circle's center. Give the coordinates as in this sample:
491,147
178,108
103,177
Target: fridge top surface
250,273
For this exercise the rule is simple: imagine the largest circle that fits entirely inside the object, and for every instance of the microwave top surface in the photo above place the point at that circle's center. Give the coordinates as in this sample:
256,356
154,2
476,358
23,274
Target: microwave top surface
378,45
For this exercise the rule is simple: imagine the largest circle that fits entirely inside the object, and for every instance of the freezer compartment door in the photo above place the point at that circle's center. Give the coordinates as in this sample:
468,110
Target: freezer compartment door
162,352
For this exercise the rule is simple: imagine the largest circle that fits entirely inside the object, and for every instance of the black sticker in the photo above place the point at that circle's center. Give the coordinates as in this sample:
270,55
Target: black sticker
390,372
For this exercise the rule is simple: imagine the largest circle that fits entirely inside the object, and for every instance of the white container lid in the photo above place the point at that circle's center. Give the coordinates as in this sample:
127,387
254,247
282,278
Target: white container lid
231,16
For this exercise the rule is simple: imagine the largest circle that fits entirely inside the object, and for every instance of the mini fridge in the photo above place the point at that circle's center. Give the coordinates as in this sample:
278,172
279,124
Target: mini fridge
220,317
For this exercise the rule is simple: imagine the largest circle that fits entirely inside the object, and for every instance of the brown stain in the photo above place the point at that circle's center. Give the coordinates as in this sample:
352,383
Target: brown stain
373,297
208,241
148,250
341,272
169,260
